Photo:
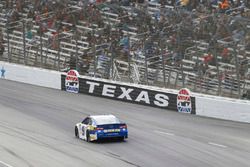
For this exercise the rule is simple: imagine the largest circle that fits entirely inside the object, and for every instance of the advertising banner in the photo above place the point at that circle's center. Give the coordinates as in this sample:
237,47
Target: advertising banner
126,93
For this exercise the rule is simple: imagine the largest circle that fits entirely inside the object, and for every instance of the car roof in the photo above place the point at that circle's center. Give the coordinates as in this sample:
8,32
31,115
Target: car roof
102,116
105,119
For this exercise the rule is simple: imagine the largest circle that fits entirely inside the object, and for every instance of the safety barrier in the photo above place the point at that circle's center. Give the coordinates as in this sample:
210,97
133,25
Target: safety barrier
30,75
202,105
223,108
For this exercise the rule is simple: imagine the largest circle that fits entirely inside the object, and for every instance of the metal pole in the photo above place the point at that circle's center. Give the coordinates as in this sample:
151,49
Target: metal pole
95,60
217,67
195,81
47,50
231,86
219,82
112,63
36,55
8,41
76,53
169,77
163,63
24,43
176,79
58,53
129,61
237,69
41,46
146,63
146,68
182,75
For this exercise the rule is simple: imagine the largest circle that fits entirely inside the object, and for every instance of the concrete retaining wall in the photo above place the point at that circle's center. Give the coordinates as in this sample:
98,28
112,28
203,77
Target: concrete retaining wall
208,106
30,75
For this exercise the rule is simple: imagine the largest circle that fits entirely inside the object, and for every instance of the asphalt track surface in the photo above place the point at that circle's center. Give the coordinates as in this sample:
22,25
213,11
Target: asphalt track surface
37,130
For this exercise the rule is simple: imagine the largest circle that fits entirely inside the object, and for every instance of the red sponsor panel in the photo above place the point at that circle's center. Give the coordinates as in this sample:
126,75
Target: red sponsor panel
184,98
184,104
72,73
71,78
72,81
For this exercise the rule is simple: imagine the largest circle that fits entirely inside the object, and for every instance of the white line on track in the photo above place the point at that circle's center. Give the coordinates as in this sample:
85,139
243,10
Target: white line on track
217,145
5,164
165,133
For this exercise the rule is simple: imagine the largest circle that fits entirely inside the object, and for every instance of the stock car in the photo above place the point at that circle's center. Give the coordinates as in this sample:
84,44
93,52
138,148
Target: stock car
101,126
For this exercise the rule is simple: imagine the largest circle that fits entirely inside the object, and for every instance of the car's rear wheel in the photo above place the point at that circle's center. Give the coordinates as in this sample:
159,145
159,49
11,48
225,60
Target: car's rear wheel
87,136
121,138
76,132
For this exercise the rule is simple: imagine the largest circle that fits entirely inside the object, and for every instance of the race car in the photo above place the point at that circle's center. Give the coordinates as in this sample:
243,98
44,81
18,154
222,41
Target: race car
101,126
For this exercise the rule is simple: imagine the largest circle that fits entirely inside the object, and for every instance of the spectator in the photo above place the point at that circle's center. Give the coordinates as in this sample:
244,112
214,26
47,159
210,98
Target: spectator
1,36
207,58
29,35
247,41
247,3
246,95
225,55
224,6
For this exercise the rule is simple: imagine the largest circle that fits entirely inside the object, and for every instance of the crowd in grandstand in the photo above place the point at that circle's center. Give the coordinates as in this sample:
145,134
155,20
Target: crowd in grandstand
176,25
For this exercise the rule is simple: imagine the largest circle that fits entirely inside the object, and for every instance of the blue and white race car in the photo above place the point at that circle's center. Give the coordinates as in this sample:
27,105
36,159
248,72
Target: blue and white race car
101,126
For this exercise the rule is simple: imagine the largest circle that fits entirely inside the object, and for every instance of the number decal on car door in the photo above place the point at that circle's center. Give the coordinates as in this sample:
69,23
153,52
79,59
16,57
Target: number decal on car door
83,130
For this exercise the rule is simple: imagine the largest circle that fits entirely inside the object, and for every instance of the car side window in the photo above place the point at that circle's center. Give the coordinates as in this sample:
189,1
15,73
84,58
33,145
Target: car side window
86,121
93,122
90,122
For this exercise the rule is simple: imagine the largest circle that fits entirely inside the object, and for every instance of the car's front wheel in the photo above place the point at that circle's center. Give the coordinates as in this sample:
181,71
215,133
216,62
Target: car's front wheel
76,132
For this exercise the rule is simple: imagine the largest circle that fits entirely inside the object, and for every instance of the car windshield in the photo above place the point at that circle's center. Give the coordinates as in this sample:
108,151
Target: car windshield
106,120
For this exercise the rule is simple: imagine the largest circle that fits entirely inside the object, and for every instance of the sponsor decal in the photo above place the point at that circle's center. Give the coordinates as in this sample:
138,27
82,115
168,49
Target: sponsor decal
72,81
184,104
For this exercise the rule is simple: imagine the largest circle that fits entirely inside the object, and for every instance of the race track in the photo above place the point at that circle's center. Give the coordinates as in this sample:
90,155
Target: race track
37,130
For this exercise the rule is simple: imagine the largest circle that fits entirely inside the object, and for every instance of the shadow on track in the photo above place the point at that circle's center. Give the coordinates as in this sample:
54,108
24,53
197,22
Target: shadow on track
109,141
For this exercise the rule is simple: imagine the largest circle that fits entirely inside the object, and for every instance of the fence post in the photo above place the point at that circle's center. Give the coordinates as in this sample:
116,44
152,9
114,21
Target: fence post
146,68
129,60
163,63
182,74
111,72
145,62
237,69
195,81
212,45
41,45
176,79
24,42
36,55
59,50
76,53
169,77
218,73
95,59
8,41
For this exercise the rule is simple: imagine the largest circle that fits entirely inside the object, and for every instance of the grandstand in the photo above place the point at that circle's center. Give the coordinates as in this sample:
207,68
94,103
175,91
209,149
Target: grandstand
170,45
